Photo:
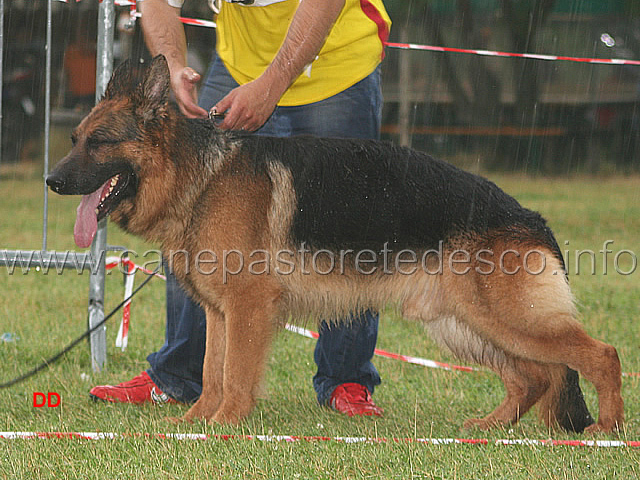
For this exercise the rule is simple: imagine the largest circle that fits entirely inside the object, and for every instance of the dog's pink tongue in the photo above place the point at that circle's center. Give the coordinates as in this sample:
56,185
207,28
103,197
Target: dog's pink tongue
86,219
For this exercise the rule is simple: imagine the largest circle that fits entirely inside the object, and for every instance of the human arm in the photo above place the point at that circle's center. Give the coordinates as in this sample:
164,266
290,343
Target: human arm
249,106
164,34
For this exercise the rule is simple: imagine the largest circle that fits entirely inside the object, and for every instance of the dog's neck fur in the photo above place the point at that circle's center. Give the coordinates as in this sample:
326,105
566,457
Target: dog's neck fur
203,165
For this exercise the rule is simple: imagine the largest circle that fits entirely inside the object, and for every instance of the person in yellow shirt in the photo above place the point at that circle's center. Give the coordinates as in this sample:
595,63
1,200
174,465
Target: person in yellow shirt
281,68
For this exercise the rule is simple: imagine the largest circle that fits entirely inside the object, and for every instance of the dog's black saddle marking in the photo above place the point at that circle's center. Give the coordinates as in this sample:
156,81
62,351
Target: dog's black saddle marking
361,194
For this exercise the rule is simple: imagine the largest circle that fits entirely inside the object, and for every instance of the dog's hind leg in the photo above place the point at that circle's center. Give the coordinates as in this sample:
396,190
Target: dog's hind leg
213,368
533,317
567,343
525,381
598,363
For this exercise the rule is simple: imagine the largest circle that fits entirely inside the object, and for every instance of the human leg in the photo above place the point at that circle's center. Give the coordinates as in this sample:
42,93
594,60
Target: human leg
344,350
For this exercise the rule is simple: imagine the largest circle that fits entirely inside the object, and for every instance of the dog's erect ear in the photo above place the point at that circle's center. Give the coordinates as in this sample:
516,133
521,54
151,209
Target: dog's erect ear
152,94
122,81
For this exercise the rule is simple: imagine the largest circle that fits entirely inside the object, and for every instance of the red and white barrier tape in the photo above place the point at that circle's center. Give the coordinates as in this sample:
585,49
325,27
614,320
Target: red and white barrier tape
296,438
185,20
481,52
112,262
198,23
119,3
129,269
395,356
493,53
432,48
121,341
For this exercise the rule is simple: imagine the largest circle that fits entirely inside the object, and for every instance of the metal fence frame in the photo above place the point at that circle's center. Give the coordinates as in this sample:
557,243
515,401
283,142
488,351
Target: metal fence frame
86,261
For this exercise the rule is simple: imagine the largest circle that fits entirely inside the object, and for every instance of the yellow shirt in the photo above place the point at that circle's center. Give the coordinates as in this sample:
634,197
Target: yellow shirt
248,38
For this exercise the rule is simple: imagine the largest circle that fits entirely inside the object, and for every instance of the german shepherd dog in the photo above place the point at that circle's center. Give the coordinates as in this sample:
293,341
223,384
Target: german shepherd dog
333,226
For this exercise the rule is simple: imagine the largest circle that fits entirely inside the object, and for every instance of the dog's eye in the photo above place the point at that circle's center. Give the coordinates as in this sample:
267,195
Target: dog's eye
93,143
74,139
96,142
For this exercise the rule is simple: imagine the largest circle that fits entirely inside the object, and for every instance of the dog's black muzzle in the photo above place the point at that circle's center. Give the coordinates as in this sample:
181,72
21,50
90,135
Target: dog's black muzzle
56,182
76,175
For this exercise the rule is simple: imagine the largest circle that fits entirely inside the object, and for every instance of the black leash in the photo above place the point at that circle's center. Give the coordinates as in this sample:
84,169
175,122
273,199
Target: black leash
47,363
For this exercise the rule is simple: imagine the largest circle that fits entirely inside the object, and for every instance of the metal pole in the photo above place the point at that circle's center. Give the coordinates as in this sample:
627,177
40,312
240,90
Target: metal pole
98,340
404,107
47,123
106,22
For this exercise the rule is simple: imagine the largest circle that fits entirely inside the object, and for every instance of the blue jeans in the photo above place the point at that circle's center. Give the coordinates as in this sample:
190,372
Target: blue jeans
343,352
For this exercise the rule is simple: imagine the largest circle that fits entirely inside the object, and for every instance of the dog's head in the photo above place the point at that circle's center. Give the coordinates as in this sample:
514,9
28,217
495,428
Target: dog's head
112,145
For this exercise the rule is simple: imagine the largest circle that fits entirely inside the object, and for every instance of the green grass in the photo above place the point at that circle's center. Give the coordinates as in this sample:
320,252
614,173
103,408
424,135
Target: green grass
47,311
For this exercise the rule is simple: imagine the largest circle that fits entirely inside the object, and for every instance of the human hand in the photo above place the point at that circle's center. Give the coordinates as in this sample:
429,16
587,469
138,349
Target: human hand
183,83
248,106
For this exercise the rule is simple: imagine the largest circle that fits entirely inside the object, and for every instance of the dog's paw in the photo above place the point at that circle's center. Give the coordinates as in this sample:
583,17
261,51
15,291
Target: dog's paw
178,420
202,409
226,418
600,427
484,424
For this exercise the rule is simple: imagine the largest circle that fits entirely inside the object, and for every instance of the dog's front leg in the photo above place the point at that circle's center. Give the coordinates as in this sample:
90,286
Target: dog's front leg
249,327
213,368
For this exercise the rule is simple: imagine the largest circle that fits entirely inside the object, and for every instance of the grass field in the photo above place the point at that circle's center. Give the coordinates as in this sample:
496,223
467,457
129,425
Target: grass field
46,311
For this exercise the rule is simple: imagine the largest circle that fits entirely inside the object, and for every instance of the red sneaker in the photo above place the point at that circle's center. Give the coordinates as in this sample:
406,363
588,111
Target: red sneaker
354,399
140,389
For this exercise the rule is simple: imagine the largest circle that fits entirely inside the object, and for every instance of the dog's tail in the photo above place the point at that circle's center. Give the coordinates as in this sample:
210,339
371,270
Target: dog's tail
563,404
